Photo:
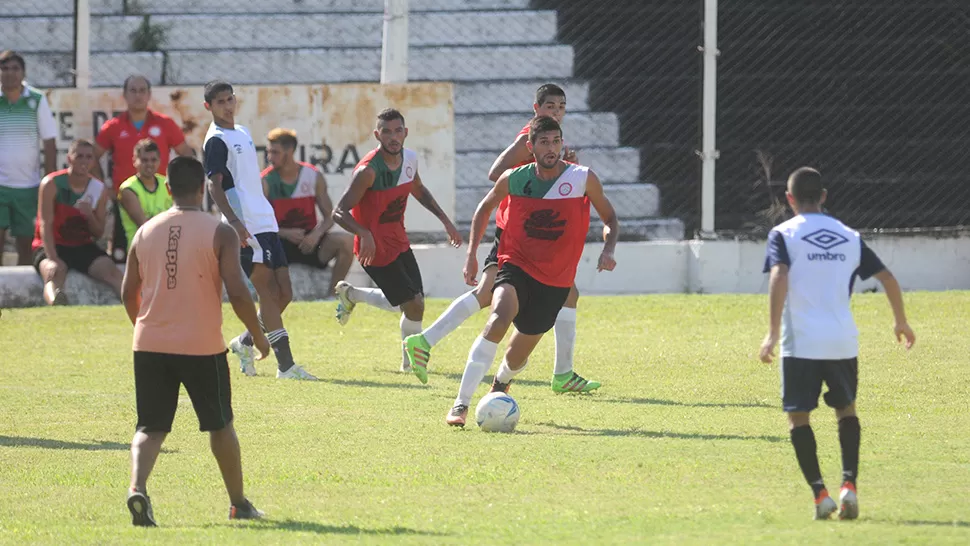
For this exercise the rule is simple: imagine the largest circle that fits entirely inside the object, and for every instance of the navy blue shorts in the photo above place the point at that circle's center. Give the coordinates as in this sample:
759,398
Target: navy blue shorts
267,250
802,378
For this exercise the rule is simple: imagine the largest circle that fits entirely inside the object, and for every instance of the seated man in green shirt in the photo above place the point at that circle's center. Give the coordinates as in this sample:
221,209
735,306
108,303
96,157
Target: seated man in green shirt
145,194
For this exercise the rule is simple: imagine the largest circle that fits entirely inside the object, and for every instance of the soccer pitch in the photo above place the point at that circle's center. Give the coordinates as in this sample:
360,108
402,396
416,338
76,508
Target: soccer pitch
684,444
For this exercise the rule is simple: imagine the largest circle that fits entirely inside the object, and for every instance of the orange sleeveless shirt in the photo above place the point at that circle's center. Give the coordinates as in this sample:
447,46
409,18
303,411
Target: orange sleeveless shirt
181,291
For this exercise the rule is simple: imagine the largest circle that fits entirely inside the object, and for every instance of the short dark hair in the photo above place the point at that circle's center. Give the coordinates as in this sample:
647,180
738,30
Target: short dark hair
542,124
390,114
132,77
185,176
146,145
285,137
79,143
805,185
215,87
10,55
548,90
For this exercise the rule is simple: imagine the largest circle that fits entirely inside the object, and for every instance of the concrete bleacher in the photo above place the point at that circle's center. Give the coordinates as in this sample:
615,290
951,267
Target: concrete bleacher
496,51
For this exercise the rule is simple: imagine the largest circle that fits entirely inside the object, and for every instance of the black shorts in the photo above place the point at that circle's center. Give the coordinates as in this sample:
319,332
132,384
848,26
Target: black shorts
539,304
78,258
492,259
157,380
268,251
296,256
801,382
400,280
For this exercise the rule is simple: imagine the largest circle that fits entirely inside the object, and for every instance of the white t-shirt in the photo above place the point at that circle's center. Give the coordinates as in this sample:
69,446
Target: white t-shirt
23,124
231,153
824,257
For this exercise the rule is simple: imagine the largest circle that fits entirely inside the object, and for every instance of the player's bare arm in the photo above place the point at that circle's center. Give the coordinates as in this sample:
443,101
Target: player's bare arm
47,196
516,154
362,181
129,201
777,294
480,223
131,284
226,245
895,295
611,226
50,156
185,150
96,168
423,195
219,196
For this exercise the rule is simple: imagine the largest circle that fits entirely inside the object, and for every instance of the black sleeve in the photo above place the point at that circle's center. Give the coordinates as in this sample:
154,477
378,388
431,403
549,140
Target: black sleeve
777,252
215,157
869,263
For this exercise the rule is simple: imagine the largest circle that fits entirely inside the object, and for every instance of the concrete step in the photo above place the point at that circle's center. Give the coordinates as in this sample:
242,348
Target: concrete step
631,229
483,132
320,6
57,7
37,34
610,164
514,96
363,65
629,200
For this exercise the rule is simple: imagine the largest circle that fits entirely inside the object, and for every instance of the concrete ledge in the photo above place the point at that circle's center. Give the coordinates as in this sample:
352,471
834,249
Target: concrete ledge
612,165
59,7
476,132
318,6
629,200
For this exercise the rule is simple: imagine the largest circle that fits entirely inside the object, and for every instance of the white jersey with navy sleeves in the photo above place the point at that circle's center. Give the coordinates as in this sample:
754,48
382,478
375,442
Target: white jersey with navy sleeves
823,256
231,153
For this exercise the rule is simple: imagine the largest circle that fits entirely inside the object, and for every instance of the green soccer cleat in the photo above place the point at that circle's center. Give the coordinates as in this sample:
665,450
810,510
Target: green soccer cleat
572,382
419,353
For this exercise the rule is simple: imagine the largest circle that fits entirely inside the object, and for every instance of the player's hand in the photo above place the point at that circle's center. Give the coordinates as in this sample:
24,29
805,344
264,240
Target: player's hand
310,241
242,232
262,345
454,237
368,249
569,155
767,352
85,208
904,331
470,271
607,262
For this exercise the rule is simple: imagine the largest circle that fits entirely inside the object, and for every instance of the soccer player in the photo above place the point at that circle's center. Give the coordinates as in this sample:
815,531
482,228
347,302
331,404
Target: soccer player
372,209
70,217
172,292
814,259
236,187
544,237
144,195
550,101
297,191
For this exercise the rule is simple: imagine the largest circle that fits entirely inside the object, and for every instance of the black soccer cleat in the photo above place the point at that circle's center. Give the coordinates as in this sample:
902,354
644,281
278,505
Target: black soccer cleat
140,507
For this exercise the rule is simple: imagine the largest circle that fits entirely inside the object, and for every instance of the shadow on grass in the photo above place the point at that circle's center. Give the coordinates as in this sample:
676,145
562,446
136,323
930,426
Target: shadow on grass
324,529
924,523
46,443
369,384
663,402
658,434
456,377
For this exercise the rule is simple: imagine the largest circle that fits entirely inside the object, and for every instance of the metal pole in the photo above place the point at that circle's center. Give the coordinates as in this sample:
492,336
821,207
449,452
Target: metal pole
394,50
82,44
709,151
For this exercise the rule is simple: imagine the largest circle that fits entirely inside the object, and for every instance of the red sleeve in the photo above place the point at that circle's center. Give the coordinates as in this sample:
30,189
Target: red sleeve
107,134
174,133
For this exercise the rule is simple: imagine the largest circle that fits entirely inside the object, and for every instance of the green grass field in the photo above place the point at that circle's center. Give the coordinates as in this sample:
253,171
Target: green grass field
684,444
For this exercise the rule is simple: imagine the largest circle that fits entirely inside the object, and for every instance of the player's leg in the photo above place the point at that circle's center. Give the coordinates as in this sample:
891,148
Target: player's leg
505,306
401,285
338,247
801,386
516,357
564,379
23,249
348,296
242,345
23,215
103,268
54,275
156,399
841,376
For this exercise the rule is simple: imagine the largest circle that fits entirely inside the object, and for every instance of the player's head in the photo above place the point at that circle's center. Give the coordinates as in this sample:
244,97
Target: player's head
391,131
220,100
186,178
137,91
545,141
80,157
550,101
146,158
12,69
282,144
805,190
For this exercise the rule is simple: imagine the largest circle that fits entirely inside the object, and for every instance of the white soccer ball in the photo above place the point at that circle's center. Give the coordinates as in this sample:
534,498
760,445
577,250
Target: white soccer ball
497,412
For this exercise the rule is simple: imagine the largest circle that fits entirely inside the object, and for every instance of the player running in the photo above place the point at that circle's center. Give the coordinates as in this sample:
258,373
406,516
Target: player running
172,291
372,209
237,188
544,237
550,101
813,259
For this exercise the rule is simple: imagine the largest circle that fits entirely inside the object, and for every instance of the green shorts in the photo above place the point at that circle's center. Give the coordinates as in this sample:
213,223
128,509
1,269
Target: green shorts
18,210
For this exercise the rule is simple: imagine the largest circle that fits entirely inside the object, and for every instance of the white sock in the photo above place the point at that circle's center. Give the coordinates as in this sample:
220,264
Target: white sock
408,327
505,374
480,359
370,296
458,312
565,330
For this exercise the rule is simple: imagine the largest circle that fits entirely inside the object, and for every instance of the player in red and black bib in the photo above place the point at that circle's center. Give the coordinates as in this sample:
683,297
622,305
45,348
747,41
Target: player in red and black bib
298,192
373,210
543,240
70,218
